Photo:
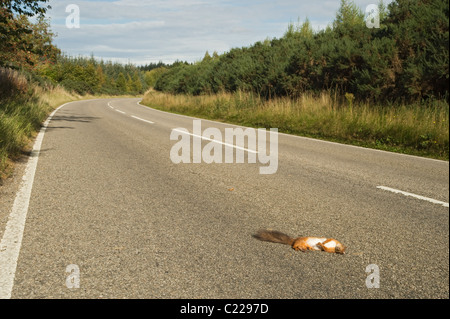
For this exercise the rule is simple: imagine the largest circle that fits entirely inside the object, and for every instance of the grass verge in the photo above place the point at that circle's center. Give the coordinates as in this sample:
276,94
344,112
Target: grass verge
417,129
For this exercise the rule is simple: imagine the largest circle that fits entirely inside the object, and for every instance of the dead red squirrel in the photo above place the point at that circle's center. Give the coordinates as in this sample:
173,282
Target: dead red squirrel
304,244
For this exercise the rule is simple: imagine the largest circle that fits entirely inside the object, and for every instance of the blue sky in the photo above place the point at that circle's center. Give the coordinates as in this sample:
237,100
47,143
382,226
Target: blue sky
140,32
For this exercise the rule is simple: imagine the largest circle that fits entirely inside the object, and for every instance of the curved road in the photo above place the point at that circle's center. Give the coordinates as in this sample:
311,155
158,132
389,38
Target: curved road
108,201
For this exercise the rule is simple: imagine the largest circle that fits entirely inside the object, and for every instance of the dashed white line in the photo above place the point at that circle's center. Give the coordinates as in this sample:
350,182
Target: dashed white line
397,191
135,117
138,118
215,141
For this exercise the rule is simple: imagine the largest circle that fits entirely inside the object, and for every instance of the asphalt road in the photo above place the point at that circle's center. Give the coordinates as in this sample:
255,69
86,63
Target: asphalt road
108,199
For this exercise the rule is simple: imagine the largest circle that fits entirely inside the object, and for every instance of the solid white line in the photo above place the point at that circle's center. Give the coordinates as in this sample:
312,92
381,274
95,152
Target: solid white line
138,118
12,237
215,141
393,190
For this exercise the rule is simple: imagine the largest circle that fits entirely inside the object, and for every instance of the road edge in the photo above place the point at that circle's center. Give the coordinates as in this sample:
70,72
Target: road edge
11,241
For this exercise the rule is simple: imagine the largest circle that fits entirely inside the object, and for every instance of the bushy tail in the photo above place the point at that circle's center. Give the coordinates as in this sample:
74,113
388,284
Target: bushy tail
274,237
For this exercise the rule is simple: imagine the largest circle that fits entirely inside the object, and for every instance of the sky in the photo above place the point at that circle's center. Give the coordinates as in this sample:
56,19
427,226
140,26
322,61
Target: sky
142,32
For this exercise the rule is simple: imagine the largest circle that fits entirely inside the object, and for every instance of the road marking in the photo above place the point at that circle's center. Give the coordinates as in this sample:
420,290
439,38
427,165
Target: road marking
110,105
121,111
431,200
12,237
138,118
215,141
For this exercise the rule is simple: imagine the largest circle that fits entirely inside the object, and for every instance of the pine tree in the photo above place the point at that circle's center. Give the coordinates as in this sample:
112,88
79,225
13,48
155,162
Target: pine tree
137,84
101,78
348,16
121,83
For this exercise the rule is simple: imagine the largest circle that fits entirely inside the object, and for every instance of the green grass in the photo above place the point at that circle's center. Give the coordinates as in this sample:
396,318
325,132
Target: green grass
416,129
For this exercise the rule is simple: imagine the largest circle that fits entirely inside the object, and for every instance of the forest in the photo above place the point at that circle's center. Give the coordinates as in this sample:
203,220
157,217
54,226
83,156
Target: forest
87,75
404,60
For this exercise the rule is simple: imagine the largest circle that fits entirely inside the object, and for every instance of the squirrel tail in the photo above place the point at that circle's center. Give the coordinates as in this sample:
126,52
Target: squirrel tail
274,237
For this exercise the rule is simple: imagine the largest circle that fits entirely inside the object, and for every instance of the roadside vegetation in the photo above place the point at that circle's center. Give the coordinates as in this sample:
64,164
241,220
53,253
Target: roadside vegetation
384,87
23,107
411,129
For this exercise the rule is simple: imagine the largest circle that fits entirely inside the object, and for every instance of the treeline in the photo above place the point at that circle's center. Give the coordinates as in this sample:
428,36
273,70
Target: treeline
405,60
87,75
152,66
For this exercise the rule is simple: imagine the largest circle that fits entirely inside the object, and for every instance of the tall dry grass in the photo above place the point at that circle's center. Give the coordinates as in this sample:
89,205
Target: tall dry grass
11,83
23,107
419,129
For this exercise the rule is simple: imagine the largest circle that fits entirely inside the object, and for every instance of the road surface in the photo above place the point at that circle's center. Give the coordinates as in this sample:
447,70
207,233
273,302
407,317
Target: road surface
110,215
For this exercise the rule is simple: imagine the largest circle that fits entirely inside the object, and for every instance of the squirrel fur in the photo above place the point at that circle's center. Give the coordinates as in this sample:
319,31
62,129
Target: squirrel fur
304,244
